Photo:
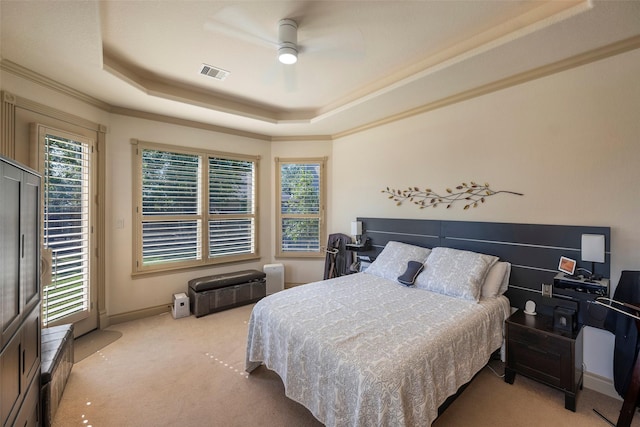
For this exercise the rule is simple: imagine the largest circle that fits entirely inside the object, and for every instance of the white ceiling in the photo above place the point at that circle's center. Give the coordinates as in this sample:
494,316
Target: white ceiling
360,62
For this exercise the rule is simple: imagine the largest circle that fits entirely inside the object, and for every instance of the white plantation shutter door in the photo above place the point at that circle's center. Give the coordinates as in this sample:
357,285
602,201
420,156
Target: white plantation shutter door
66,228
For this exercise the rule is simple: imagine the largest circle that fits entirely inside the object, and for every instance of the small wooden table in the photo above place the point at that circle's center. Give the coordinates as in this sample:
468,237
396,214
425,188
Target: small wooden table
536,350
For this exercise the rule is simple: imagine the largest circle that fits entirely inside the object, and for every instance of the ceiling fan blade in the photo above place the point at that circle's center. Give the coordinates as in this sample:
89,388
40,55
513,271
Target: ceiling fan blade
238,34
285,73
345,44
312,37
290,78
232,22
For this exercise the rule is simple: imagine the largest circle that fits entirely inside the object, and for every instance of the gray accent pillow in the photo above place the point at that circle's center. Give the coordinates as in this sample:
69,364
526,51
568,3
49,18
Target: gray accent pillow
455,272
393,259
409,276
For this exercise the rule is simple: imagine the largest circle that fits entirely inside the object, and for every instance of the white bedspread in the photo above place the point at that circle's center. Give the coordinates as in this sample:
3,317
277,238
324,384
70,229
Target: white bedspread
360,350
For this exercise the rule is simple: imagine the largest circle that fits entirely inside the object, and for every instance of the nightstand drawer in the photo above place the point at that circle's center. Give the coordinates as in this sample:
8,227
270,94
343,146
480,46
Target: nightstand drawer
542,341
544,364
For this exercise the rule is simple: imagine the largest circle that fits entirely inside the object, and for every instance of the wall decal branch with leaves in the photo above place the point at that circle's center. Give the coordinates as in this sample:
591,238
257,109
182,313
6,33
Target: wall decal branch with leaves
471,194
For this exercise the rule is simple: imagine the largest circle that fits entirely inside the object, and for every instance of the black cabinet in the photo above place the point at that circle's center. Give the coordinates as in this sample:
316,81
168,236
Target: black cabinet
19,294
536,350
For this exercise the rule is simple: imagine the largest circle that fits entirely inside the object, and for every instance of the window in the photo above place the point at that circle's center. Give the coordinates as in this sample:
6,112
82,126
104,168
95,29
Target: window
193,208
301,222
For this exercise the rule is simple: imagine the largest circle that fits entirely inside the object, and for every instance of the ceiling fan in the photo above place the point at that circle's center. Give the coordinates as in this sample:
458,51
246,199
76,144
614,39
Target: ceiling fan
288,41
317,37
232,21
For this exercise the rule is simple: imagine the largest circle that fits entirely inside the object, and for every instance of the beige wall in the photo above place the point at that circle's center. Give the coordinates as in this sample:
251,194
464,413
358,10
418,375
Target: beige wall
124,292
570,142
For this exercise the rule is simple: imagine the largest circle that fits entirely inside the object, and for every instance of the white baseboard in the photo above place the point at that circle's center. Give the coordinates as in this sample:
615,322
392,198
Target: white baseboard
138,314
103,320
600,384
293,285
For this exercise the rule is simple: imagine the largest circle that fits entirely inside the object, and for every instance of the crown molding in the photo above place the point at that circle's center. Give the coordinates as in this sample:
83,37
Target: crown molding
539,17
25,73
559,66
188,94
36,107
187,123
300,138
604,52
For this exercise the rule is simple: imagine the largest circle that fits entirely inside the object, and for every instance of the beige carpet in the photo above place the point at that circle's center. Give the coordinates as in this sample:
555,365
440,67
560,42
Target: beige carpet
189,372
92,342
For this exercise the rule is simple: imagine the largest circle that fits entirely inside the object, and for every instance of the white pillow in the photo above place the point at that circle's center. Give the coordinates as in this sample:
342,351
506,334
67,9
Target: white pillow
455,272
393,259
497,280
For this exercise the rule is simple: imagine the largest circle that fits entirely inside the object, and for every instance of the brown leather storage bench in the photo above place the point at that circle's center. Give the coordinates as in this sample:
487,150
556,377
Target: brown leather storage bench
55,366
222,291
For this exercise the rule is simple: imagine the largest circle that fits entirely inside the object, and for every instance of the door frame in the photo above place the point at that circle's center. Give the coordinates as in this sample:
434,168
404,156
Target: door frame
85,322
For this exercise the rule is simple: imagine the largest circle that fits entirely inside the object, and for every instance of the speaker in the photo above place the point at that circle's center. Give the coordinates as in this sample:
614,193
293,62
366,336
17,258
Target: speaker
565,320
275,277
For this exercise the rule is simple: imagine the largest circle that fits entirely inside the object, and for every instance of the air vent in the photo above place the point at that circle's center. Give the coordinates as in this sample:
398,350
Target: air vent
211,71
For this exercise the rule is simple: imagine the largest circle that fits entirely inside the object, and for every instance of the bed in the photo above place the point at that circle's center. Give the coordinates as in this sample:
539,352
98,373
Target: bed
366,350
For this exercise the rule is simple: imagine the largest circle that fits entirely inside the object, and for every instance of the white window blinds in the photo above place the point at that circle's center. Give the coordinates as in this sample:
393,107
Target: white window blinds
195,208
170,207
231,207
301,211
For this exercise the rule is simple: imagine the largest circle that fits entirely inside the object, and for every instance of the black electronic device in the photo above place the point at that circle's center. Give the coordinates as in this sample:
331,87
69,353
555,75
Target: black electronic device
364,245
581,284
565,320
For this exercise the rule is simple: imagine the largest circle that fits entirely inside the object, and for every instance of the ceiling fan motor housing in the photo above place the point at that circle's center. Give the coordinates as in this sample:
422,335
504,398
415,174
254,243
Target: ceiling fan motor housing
288,41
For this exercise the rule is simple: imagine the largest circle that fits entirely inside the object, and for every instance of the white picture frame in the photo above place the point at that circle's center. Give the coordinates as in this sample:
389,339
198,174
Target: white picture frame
567,265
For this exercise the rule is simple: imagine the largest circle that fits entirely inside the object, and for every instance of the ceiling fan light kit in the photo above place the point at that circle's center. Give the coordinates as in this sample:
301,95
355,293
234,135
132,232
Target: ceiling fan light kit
288,41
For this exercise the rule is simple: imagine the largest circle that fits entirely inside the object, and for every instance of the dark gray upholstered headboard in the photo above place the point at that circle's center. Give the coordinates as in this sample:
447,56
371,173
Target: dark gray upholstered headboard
533,250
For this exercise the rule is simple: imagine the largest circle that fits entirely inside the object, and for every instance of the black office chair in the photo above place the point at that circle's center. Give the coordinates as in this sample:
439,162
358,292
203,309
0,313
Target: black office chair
336,262
623,320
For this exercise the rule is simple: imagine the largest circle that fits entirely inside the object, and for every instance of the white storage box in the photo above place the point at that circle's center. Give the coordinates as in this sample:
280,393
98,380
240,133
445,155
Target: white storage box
180,305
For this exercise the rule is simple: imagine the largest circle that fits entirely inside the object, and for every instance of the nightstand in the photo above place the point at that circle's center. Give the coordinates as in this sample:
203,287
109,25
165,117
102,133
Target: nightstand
535,350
